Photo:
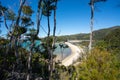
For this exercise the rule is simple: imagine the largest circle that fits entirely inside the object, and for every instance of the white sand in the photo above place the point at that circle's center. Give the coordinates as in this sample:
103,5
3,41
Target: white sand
75,54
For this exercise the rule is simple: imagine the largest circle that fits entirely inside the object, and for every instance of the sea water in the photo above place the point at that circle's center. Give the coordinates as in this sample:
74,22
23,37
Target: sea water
27,45
62,53
59,51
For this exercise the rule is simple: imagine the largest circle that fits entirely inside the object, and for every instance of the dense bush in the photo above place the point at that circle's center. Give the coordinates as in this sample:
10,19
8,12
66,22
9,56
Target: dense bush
99,65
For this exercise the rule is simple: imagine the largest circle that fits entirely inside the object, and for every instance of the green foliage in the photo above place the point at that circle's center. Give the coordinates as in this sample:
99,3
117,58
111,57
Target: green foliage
102,33
62,72
82,36
19,31
32,34
111,42
99,65
50,39
3,41
25,20
113,39
10,15
101,44
27,10
72,72
39,65
47,7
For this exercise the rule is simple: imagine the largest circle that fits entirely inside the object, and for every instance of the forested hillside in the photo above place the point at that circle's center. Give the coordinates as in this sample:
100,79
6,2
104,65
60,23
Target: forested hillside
97,35
100,34
104,61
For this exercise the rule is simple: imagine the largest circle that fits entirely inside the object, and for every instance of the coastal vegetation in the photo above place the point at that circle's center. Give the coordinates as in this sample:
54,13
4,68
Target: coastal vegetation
37,62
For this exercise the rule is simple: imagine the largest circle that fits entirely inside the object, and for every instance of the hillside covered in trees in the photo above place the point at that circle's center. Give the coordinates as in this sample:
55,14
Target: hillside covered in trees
97,35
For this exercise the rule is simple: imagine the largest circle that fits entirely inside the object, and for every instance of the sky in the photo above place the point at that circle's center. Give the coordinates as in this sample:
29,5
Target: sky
73,16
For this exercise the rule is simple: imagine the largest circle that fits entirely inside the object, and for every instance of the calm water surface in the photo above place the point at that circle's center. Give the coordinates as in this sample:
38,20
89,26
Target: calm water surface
58,51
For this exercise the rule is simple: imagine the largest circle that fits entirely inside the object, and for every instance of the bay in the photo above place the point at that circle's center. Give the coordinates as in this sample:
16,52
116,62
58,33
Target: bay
60,52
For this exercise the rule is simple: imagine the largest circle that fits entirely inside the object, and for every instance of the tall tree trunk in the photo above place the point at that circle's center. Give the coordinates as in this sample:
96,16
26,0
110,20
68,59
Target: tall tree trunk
16,25
48,47
54,31
29,62
54,40
92,2
29,66
22,2
39,17
91,25
48,19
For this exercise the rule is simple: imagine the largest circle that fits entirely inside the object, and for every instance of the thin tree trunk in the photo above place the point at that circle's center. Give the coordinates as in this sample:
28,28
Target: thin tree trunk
92,2
54,40
19,12
16,25
39,17
29,61
54,31
91,25
48,18
6,28
29,66
48,48
5,20
16,50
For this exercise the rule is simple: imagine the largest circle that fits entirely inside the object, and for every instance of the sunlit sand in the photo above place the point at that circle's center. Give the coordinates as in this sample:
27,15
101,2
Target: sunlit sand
75,54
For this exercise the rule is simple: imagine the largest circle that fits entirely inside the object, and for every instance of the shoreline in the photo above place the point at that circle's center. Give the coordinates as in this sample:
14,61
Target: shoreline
76,52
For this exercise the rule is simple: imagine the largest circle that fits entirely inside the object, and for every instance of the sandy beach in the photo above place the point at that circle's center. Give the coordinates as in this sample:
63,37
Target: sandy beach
75,54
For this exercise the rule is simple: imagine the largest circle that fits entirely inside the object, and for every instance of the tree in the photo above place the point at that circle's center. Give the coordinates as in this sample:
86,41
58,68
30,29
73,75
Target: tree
92,3
54,29
18,26
2,10
15,34
32,39
48,6
54,32
26,21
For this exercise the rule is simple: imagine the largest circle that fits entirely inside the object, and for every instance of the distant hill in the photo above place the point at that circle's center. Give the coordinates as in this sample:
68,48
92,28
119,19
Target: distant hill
100,34
97,35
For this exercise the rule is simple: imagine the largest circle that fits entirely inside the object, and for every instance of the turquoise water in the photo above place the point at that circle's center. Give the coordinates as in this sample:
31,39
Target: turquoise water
58,51
27,44
62,51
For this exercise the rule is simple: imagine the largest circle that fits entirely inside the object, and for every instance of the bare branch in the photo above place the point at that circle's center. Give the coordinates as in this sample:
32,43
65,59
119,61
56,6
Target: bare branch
19,11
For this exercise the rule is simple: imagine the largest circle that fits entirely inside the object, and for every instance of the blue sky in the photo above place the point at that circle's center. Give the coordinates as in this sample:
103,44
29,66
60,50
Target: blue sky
73,16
